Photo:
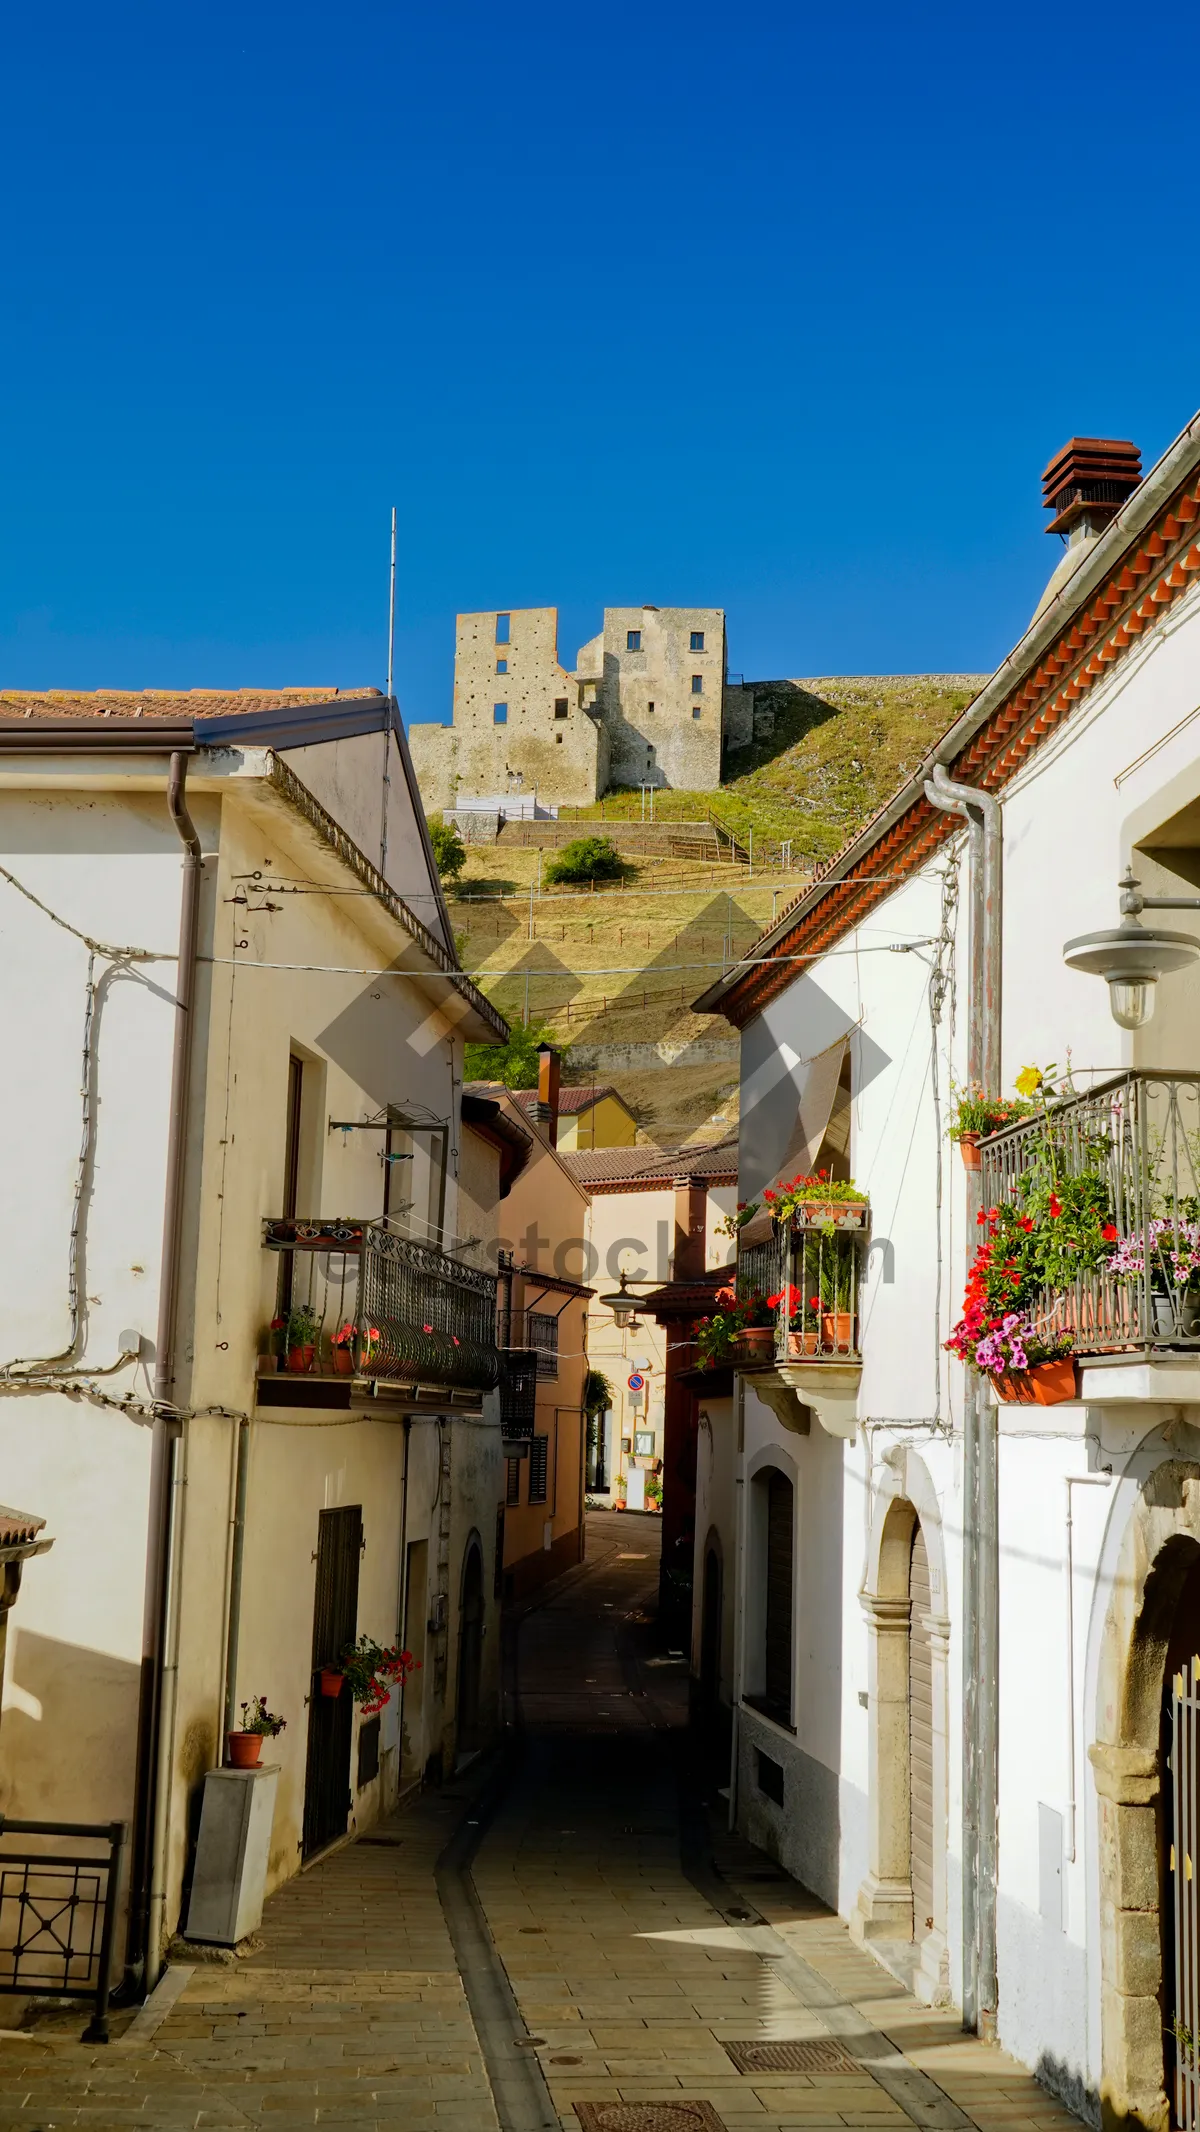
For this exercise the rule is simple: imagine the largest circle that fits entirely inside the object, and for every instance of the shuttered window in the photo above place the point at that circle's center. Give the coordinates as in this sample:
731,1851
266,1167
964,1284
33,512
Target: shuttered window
538,1467
777,1669
512,1480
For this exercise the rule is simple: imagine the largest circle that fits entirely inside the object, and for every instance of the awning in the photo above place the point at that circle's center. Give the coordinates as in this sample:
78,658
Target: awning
814,1108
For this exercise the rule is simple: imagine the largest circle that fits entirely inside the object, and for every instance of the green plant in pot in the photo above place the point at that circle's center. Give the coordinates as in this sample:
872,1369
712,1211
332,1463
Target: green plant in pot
301,1331
370,1670
258,1724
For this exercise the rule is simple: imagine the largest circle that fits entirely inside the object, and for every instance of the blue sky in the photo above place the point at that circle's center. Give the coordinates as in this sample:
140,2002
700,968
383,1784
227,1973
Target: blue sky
768,307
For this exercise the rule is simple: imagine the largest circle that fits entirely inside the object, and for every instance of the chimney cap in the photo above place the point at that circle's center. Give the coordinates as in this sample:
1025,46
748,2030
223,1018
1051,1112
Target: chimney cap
1090,477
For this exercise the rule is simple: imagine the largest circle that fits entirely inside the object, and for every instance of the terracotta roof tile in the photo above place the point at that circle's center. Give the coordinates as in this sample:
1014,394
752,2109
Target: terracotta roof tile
164,702
647,1168
571,1101
18,1527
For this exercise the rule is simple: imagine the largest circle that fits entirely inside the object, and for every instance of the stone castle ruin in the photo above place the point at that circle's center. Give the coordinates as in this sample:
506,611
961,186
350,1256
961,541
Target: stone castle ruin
648,702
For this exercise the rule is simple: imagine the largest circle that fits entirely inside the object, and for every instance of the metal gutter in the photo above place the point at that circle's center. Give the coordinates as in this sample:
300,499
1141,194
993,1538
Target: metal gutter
1180,460
89,736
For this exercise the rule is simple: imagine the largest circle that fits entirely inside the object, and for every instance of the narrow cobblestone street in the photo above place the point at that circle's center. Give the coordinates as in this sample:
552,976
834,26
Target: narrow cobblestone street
638,1946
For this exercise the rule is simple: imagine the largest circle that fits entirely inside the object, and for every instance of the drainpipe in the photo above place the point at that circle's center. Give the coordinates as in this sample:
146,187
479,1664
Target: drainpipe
152,1786
981,1591
403,1622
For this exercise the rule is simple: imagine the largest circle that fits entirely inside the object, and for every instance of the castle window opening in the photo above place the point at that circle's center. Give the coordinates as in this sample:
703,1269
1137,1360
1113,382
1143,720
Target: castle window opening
502,622
633,640
558,740
499,714
560,708
697,640
650,707
696,710
697,684
502,666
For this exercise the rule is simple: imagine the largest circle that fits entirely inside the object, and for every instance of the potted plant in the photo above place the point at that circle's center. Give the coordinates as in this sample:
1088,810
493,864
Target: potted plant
331,1678
803,1320
619,1491
654,1492
301,1331
976,1115
371,1670
817,1201
342,1350
1027,1367
1171,1245
755,1340
258,1724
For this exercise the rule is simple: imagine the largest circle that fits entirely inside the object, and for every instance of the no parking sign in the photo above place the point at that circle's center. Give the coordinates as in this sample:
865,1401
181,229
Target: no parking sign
636,1382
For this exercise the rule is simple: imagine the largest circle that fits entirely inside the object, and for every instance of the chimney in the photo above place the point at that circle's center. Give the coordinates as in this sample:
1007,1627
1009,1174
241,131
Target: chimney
691,1210
545,1110
1086,483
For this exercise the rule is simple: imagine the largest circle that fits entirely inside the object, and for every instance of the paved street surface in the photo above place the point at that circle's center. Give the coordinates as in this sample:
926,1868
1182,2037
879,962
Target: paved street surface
637,1940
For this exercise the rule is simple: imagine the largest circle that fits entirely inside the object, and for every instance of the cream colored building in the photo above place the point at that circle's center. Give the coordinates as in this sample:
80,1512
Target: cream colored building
589,1117
646,703
223,905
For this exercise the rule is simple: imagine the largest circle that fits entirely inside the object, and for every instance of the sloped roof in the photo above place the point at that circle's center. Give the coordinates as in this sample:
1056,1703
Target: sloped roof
172,703
572,1101
647,1169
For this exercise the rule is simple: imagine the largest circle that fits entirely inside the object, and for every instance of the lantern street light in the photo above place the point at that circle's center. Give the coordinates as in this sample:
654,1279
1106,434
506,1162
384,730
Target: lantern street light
1132,957
621,1303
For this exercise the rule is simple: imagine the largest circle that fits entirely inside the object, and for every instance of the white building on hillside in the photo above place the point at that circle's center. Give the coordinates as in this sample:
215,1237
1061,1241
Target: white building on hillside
955,1634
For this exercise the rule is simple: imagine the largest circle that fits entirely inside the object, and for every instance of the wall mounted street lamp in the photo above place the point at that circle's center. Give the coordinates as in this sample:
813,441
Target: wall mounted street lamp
1132,957
622,1305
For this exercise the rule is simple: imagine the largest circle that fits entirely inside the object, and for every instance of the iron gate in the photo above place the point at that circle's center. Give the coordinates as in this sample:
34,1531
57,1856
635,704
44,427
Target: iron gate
58,1913
327,1799
1184,1867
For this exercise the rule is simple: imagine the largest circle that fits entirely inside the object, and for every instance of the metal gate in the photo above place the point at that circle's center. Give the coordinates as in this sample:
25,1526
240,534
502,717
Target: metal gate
1184,1866
327,1799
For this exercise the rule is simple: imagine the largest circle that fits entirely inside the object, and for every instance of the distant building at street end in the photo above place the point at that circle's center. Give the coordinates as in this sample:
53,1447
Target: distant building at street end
648,702
588,1117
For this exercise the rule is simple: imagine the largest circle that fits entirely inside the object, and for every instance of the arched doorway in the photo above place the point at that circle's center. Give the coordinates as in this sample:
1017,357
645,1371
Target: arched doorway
470,1649
902,1901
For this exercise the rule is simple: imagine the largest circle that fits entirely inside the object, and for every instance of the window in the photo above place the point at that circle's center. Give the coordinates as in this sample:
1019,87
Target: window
512,1480
697,640
697,684
696,711
502,622
539,1461
558,740
770,1778
633,640
650,708
499,714
643,1443
543,1337
560,706
502,666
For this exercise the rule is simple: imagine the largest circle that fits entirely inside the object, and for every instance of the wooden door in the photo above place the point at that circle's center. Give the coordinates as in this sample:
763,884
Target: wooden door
327,1798
920,1738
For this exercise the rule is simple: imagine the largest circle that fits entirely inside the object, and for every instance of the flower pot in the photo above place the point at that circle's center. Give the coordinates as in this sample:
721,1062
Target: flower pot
837,1330
756,1343
244,1749
343,1362
620,1503
331,1681
969,1149
802,1343
300,1359
1047,1384
844,1213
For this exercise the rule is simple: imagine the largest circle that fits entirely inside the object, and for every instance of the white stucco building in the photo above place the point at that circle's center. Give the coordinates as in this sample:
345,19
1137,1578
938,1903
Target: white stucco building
231,1092
832,1599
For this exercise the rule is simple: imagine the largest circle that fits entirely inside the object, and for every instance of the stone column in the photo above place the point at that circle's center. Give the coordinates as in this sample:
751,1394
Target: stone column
1131,2080
884,1906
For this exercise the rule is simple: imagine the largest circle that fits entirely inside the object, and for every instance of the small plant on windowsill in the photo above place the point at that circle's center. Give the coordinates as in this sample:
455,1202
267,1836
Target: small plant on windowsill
298,1334
258,1724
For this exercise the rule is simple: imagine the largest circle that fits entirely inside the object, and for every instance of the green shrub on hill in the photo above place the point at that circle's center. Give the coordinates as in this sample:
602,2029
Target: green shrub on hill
587,859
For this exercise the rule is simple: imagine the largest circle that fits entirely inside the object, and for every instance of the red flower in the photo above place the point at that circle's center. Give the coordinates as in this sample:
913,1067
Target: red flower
981,1217
814,1302
427,1328
1055,1206
1027,1225
768,1194
1109,1232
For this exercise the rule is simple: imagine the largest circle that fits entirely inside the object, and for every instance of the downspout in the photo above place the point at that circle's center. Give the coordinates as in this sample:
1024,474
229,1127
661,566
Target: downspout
403,1622
981,1603
152,1789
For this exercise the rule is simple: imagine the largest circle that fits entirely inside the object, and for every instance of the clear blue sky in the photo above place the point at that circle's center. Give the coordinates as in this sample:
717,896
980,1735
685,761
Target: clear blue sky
766,306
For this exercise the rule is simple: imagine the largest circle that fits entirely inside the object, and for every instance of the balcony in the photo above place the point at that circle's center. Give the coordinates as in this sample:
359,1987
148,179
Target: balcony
363,1303
1123,1163
807,1358
519,1374
535,1330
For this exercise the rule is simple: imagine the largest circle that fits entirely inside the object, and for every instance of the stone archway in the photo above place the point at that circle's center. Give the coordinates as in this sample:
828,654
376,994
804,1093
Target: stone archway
1158,1548
905,1500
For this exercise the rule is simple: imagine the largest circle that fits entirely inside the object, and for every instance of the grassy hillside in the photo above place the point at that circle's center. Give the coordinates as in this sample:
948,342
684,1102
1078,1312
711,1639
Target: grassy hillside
839,747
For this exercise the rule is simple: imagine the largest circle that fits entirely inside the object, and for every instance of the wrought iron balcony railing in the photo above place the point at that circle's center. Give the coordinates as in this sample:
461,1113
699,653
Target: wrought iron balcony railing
808,1275
1123,1163
518,1393
536,1329
359,1299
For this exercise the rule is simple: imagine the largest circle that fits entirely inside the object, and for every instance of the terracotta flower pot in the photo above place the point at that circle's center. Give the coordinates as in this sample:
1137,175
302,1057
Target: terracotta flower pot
756,1343
331,1681
1048,1384
343,1362
244,1749
969,1149
300,1359
837,1330
802,1343
845,1213
619,1503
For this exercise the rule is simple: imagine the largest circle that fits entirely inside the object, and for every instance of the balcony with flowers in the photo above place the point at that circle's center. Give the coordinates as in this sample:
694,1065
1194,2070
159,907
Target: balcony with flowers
1088,1256
790,1317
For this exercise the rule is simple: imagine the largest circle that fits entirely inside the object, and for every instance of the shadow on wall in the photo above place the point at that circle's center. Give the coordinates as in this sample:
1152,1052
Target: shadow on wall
69,1731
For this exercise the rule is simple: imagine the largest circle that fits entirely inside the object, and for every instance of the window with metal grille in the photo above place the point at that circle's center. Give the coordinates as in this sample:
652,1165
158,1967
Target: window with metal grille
777,1669
539,1466
512,1480
543,1337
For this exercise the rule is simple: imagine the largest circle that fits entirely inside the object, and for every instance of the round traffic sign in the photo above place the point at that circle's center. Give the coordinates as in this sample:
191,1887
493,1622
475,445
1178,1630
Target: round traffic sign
636,1381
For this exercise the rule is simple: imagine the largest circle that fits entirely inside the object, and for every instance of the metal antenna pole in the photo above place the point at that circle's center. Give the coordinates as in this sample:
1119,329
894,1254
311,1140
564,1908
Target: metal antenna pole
387,724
